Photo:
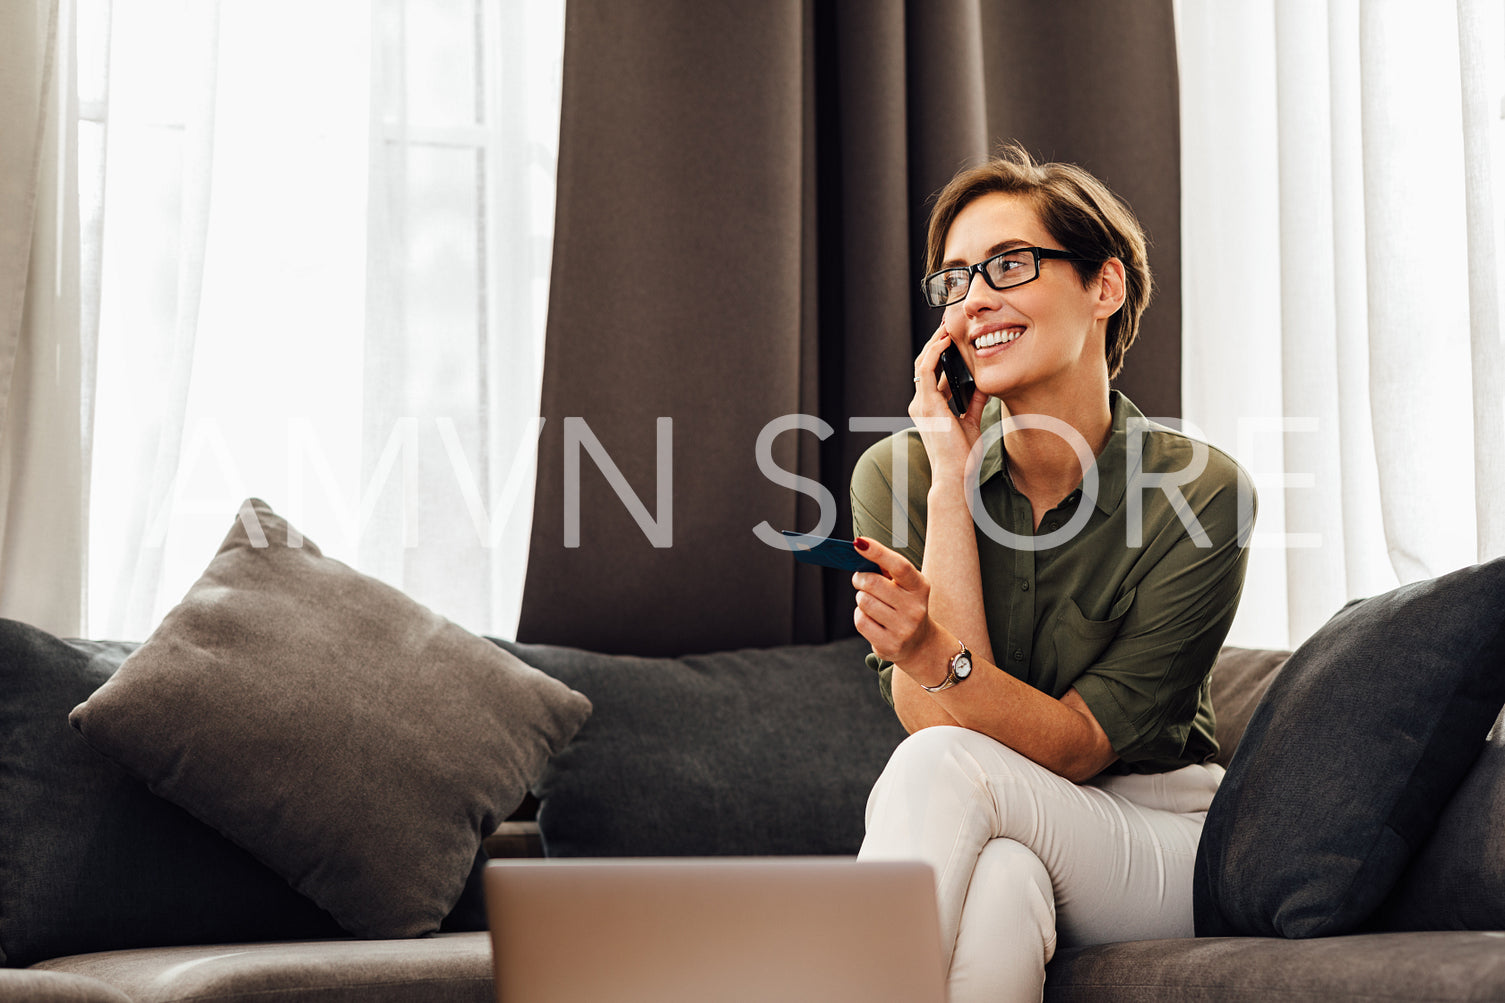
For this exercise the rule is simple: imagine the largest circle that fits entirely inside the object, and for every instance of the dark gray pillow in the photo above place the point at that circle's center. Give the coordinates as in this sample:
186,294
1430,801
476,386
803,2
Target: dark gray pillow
90,860
1457,879
1350,758
355,742
760,751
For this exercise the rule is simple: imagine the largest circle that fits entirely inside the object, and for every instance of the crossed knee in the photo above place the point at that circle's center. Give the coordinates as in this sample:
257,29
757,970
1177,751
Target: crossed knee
931,752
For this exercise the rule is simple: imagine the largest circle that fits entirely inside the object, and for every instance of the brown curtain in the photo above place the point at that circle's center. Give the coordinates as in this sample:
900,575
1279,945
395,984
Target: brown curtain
741,209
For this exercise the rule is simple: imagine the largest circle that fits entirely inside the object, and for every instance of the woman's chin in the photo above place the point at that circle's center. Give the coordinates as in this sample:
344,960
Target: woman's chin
996,384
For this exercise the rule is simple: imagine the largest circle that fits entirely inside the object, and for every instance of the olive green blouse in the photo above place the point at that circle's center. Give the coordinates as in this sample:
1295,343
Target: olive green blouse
1128,601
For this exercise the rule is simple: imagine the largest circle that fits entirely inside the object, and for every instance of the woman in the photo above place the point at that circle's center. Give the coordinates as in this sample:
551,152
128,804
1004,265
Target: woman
1049,654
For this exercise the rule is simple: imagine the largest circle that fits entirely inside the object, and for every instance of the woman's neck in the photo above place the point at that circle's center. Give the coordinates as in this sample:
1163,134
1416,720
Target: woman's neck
1044,466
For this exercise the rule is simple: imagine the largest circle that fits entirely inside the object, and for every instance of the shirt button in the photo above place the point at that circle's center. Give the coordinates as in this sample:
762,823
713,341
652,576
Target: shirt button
1018,655
1050,527
1024,586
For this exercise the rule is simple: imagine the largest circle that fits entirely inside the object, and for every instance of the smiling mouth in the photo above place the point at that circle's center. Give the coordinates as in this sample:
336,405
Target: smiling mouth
998,338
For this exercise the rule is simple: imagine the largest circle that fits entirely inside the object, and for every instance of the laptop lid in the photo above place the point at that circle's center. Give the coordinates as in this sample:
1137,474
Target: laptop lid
714,928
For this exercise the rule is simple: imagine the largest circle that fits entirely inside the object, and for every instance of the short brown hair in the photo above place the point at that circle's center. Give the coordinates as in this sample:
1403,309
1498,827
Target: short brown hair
1080,212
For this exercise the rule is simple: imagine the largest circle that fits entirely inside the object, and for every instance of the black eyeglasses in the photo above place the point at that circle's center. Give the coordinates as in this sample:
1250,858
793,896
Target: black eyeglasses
1013,267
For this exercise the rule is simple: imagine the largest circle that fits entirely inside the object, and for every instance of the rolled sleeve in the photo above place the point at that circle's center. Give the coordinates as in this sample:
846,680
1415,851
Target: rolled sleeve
1147,688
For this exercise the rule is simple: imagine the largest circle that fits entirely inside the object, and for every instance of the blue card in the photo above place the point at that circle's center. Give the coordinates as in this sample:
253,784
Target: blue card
828,553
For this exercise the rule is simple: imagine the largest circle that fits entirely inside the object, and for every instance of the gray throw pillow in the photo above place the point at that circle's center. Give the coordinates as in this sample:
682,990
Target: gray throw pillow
355,742
758,751
1457,880
90,860
1350,758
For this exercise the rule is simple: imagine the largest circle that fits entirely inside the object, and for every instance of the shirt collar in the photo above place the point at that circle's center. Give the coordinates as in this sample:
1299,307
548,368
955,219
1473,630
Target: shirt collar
1112,462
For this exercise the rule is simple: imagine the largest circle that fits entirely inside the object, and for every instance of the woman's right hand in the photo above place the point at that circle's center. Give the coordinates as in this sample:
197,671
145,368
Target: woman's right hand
948,439
893,606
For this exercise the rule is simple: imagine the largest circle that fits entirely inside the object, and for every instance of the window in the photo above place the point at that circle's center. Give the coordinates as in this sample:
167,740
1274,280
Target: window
323,241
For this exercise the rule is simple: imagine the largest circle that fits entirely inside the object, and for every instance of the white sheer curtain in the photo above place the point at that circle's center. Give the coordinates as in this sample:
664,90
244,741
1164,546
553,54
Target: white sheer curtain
45,342
325,233
1342,194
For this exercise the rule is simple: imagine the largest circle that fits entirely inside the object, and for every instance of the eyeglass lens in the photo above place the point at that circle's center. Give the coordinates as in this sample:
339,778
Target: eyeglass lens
1011,268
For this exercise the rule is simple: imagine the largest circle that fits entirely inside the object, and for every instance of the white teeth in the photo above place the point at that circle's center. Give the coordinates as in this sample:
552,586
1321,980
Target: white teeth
997,338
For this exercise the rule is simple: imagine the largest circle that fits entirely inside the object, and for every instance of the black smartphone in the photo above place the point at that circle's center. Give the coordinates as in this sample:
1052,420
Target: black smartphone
828,553
959,378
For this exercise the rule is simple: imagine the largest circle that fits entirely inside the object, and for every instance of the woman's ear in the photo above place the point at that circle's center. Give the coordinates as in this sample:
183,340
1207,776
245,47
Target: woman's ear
1110,288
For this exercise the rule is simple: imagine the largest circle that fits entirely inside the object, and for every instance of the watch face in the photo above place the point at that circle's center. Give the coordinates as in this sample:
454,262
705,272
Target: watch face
962,665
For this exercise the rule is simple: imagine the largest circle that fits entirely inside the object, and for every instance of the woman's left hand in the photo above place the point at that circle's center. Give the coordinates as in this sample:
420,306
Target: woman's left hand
893,607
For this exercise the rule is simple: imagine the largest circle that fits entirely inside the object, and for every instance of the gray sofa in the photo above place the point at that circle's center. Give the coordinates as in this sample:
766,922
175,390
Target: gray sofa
759,751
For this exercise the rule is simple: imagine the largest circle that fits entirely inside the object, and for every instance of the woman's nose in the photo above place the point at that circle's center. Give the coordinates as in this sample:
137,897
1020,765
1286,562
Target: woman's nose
980,296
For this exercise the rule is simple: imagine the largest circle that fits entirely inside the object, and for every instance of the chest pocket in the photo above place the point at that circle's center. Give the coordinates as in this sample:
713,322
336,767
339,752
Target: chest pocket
1075,642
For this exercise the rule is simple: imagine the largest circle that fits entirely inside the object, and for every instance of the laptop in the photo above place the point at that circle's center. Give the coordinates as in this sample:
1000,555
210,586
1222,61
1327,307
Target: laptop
718,929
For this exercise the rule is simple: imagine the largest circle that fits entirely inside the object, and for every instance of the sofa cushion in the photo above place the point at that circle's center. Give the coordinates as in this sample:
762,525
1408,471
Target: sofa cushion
1350,758
1457,880
1239,681
355,742
89,858
756,751
1382,968
446,968
25,986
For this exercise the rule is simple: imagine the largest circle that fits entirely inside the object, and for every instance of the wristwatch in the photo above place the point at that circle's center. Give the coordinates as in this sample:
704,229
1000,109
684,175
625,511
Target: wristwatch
959,668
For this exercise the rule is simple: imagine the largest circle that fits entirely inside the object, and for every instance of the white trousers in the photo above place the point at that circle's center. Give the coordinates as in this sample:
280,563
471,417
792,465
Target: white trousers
1025,859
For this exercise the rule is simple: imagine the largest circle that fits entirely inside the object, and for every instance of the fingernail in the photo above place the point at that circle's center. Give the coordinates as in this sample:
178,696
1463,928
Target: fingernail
860,543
